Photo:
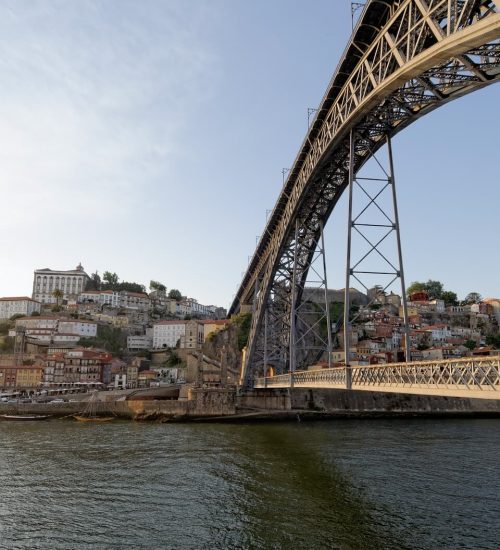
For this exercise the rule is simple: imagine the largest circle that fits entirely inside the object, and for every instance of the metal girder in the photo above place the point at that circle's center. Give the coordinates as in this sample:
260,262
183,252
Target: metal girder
463,376
405,58
375,223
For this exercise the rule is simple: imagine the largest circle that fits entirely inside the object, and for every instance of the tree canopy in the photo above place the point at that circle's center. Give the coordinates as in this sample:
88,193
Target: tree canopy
110,279
175,294
434,289
473,298
94,283
450,298
112,282
156,285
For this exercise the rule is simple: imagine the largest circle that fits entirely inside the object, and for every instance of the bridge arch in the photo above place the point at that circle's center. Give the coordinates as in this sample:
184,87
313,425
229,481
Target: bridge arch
405,59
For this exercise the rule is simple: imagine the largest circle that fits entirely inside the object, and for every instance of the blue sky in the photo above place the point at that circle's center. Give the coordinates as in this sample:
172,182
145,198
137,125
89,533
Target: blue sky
148,138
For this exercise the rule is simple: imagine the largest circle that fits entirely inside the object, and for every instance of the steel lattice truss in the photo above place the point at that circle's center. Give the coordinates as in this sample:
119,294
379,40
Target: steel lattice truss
405,58
463,375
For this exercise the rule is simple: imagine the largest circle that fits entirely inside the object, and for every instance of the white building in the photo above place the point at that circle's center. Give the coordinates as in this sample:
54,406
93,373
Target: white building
70,283
57,330
18,306
102,297
139,342
166,334
138,301
439,333
86,329
38,323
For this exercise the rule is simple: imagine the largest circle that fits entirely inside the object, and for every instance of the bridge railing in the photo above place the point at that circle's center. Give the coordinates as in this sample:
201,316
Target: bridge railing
458,374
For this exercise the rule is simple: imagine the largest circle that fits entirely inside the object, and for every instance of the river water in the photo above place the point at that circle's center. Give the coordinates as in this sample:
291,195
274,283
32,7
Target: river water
349,484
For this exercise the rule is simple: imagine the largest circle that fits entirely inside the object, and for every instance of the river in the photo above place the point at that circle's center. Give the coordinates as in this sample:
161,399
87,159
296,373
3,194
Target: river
347,484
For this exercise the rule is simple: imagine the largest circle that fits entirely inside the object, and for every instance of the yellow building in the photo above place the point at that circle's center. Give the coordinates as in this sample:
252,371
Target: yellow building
29,376
22,376
212,326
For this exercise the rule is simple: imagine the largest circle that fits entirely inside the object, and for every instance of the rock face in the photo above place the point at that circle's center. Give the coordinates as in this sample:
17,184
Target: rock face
317,295
228,342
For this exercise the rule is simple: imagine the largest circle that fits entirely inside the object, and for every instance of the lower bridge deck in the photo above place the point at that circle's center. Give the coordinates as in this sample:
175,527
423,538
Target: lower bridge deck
467,377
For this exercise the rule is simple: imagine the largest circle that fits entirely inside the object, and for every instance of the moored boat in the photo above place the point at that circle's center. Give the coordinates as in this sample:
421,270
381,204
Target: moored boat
94,411
24,417
93,418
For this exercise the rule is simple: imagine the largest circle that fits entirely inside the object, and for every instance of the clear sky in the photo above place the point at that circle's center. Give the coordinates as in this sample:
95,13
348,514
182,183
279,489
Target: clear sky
148,138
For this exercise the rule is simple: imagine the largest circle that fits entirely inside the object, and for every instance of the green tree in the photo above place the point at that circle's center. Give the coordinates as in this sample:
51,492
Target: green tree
175,294
130,287
57,293
7,344
110,280
416,286
493,340
156,285
94,283
473,298
111,339
470,344
434,289
243,322
450,298
15,317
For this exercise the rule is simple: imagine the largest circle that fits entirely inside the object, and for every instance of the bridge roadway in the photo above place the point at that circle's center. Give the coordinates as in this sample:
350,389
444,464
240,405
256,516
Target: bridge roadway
470,377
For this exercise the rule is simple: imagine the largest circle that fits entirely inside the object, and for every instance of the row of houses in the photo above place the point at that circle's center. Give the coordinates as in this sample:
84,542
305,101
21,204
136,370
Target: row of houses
378,335
75,367
190,334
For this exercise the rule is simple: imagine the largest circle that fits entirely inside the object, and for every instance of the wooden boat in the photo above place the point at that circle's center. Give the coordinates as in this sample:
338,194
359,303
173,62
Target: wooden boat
91,412
25,417
93,418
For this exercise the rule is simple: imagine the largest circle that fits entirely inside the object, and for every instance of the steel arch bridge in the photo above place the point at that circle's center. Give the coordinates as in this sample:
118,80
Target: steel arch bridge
404,59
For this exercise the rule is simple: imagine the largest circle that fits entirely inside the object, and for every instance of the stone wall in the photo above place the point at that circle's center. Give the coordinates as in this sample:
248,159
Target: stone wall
355,402
202,402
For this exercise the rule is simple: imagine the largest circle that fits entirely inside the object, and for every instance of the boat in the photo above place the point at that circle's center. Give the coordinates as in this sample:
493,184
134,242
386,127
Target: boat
82,418
93,411
25,416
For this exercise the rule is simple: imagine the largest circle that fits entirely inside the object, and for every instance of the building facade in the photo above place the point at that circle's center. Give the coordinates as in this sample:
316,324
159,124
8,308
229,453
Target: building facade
18,306
70,283
166,334
21,376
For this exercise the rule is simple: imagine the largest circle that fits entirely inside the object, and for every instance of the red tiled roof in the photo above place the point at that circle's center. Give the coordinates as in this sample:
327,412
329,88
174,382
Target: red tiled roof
17,299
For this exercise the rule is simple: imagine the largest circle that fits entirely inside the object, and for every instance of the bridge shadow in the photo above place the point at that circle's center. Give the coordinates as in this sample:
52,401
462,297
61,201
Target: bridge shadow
291,496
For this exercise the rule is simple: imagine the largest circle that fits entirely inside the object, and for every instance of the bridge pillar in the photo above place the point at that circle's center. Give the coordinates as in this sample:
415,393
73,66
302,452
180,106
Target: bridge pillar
375,224
310,322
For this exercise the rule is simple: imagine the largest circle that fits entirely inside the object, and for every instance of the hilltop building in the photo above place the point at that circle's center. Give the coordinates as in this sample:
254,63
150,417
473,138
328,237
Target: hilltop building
70,283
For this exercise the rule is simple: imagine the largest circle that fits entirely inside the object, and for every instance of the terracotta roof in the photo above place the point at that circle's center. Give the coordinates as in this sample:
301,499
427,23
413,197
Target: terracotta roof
20,367
17,299
39,318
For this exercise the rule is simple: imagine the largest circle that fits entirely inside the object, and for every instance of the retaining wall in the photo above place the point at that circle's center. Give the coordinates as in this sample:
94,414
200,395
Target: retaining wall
347,402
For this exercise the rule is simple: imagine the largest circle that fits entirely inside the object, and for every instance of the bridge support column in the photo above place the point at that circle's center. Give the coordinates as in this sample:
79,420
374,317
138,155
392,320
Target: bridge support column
310,323
375,224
